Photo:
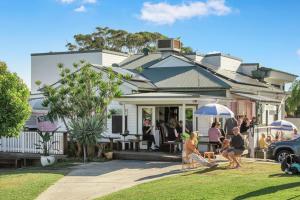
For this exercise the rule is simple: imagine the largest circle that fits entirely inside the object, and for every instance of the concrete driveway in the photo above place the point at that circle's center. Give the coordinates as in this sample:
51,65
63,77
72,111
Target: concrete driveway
97,179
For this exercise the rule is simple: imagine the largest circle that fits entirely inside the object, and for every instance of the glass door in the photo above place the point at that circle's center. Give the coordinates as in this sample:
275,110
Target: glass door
190,118
146,117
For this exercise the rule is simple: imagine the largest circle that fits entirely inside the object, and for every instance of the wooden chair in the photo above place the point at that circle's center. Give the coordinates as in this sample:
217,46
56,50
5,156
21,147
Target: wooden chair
209,155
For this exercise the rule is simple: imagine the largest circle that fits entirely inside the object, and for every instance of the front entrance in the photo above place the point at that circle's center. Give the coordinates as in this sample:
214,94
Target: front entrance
165,121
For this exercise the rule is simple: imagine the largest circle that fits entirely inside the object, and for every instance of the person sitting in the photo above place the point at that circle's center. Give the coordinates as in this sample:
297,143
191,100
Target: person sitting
295,134
194,154
214,134
236,149
171,133
148,136
269,140
180,127
262,142
278,137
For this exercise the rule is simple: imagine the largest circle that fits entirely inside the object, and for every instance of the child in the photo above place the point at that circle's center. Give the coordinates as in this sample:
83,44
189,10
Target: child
225,145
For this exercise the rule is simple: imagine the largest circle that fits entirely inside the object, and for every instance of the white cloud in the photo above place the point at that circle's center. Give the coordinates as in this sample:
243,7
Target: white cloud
298,52
90,1
66,1
165,13
80,9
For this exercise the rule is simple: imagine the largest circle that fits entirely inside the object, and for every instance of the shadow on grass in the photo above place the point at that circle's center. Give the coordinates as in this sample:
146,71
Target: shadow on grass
280,175
160,175
206,170
58,168
268,190
295,197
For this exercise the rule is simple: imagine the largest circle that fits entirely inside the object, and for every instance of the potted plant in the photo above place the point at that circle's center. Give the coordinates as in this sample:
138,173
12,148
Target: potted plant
185,136
46,144
108,153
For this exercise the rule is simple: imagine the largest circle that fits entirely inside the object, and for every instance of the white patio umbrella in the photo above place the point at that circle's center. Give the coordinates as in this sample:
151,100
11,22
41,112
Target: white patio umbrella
283,125
214,110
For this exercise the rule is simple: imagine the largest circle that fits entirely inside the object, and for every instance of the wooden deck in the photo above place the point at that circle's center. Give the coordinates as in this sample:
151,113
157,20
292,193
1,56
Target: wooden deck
147,156
21,159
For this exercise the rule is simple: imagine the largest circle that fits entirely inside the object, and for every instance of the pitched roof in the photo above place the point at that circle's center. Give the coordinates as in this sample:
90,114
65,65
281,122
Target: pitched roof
140,60
239,78
183,77
276,70
241,82
201,75
259,97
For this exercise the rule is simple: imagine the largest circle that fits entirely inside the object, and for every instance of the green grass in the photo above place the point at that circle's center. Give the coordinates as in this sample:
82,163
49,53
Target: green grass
252,181
25,184
28,183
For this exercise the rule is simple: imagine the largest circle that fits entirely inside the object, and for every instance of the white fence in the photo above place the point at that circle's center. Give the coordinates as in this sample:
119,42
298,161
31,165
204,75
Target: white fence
27,140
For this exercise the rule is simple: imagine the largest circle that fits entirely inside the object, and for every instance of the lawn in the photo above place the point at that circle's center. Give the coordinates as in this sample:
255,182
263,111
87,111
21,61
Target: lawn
252,181
27,184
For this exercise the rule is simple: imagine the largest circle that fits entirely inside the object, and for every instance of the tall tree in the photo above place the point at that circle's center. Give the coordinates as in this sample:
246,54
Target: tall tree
14,104
82,98
293,101
117,40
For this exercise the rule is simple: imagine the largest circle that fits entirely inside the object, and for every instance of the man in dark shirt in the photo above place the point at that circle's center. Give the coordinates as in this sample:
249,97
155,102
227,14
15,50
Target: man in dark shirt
236,148
229,125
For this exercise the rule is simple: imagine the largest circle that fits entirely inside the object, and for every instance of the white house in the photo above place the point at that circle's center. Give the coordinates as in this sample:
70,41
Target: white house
168,83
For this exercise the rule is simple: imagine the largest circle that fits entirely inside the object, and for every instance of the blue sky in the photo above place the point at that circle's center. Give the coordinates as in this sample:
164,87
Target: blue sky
267,32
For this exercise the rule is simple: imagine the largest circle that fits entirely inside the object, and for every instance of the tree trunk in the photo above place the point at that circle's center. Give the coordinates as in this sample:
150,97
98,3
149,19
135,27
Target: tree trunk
79,149
84,153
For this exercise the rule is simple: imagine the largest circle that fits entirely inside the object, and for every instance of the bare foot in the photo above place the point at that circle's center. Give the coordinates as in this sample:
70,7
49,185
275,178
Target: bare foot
236,167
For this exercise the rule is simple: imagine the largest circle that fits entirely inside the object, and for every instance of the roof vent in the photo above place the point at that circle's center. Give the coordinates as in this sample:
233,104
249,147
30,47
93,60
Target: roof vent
169,45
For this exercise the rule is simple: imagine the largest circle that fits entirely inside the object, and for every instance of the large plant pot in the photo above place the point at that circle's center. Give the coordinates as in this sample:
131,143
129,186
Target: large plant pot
47,160
108,155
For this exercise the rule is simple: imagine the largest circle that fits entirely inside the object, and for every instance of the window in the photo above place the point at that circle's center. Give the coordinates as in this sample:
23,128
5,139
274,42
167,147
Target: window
116,124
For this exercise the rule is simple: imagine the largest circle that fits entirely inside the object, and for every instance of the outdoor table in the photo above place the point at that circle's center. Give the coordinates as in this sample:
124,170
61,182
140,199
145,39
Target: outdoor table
175,145
124,142
136,142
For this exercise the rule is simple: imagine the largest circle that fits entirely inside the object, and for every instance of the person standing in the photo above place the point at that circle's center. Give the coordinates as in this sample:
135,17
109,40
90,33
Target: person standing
229,125
250,136
245,126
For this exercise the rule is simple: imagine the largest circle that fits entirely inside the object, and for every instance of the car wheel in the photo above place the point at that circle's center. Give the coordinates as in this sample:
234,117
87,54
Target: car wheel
281,155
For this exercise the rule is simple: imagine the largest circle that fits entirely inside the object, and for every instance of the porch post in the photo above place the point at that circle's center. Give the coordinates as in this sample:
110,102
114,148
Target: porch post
183,118
123,119
123,125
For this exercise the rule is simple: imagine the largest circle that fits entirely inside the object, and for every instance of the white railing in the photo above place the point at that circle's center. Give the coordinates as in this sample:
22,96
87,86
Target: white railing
27,140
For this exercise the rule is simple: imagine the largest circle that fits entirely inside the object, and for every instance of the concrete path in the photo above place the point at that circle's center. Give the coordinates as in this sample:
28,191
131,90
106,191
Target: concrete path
97,179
